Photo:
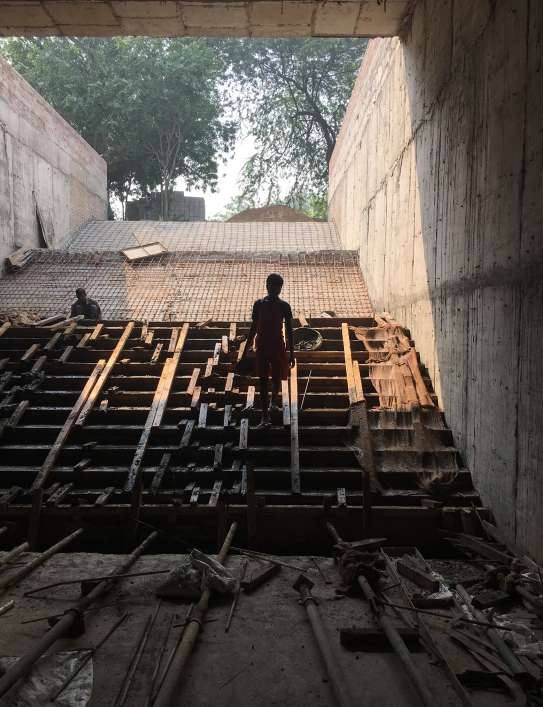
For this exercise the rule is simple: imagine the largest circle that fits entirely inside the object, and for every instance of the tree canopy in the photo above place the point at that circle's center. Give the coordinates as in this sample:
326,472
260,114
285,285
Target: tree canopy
151,107
292,95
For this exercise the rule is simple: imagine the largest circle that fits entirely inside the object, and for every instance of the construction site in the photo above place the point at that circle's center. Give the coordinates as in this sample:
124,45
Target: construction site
380,542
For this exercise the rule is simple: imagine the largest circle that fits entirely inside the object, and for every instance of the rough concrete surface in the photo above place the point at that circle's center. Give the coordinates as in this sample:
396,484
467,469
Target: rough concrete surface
268,657
253,18
45,165
436,179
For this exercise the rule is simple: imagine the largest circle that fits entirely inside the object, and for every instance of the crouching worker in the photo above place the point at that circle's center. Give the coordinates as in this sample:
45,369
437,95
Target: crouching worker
269,314
85,306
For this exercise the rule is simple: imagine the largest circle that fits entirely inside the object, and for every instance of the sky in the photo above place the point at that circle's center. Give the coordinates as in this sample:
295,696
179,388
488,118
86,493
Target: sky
227,184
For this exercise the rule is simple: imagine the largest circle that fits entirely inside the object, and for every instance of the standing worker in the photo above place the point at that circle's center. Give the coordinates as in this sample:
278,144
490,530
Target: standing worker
269,314
86,306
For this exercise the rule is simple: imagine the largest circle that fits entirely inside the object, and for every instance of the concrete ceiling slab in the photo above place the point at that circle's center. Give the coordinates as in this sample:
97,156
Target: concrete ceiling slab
258,18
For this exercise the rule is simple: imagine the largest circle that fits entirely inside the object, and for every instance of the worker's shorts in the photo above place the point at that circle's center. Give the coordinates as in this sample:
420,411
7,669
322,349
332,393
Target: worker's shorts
272,362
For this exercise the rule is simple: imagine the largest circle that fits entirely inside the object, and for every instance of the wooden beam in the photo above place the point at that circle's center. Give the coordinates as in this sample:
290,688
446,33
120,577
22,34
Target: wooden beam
187,434
229,382
215,493
31,350
243,433
104,497
232,333
159,474
67,353
217,457
224,344
294,439
227,415
209,368
84,340
358,383
193,380
87,407
16,416
351,388
55,450
202,416
156,352
285,402
173,340
96,332
303,321
53,341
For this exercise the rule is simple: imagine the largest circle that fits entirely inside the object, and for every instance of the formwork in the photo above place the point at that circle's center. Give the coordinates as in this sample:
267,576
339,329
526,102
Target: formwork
117,423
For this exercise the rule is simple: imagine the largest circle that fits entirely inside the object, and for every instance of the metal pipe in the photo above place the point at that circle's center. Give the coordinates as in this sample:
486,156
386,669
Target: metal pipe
333,668
13,579
391,632
24,664
168,695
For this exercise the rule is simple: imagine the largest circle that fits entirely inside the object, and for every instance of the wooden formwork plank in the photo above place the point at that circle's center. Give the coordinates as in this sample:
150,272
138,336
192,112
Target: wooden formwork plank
294,439
66,353
193,380
303,321
53,341
96,332
232,332
250,397
196,397
217,456
68,425
159,474
224,344
173,340
351,388
156,352
104,497
87,407
187,434
358,383
40,363
215,493
31,350
209,368
202,415
243,433
84,340
149,338
229,382
180,343
227,415
285,402
160,398
16,416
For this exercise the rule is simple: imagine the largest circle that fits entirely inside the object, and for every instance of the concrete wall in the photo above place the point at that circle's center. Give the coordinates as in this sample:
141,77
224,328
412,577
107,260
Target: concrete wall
43,162
436,178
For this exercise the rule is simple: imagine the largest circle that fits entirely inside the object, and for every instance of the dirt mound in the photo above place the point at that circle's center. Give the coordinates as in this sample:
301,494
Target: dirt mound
276,212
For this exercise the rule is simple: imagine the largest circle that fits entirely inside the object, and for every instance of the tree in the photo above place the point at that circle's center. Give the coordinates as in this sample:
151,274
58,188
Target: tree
151,107
292,95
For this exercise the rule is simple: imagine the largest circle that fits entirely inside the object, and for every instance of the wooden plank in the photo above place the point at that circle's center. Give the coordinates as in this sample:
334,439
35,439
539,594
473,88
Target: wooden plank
87,407
303,321
243,433
82,465
209,368
232,333
16,416
144,330
187,434
84,340
149,338
215,494
180,343
358,383
227,415
66,354
104,497
96,332
6,325
173,340
40,363
156,352
31,350
341,497
217,353
229,382
285,402
294,439
202,416
243,488
194,496
241,350
55,450
53,341
250,397
160,400
351,388
196,397
217,457
224,344
60,494
193,380
159,474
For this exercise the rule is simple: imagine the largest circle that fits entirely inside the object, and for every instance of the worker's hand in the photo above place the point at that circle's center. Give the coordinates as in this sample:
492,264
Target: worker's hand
292,361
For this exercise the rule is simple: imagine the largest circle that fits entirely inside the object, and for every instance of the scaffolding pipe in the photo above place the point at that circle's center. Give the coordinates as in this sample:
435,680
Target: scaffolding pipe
168,695
72,616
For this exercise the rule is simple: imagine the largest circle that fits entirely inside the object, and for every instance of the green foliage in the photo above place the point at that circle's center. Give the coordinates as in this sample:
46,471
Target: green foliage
151,107
292,95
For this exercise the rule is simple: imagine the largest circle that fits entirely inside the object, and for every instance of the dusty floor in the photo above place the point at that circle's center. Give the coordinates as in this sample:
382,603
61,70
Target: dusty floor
268,657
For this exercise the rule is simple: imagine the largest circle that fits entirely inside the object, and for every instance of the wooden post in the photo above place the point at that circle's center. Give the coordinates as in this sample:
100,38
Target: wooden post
294,439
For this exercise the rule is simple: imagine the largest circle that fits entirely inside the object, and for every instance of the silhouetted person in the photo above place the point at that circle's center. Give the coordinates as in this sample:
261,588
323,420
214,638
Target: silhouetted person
86,306
269,313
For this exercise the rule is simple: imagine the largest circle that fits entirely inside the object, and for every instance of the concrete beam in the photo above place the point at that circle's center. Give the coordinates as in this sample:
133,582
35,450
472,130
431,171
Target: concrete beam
226,18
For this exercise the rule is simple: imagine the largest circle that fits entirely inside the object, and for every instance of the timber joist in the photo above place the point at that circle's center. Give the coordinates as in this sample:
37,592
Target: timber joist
124,420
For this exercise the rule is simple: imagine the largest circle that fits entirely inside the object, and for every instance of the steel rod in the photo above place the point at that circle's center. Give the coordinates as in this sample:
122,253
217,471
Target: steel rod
333,668
24,664
87,657
168,695
92,579
25,570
